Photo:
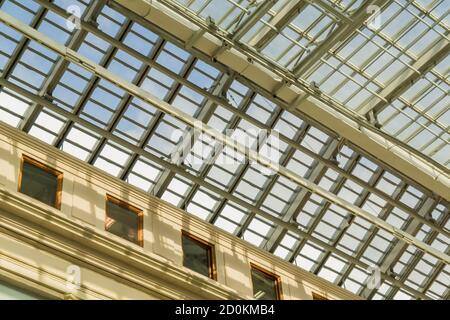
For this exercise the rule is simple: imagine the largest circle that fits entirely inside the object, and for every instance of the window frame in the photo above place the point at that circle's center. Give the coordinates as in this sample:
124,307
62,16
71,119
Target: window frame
275,277
58,174
212,268
125,205
317,296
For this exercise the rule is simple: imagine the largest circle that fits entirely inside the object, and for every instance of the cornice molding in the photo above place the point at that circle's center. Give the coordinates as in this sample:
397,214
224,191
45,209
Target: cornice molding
43,282
48,230
165,210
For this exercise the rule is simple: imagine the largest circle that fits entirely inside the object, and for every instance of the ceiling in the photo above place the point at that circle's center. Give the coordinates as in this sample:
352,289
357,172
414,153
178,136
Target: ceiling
391,70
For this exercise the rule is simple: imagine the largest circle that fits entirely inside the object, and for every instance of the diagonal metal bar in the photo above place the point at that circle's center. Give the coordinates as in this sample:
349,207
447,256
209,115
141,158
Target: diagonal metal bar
151,127
232,125
432,235
367,129
414,261
398,192
269,184
301,198
251,20
207,111
139,78
340,34
332,9
93,82
277,23
181,171
409,77
22,45
91,14
336,187
100,71
399,247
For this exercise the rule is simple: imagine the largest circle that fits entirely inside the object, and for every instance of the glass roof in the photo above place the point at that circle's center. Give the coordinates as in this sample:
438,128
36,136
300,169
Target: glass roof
223,187
363,66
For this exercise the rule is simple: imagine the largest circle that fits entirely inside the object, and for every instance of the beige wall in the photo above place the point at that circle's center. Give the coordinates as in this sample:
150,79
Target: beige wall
113,268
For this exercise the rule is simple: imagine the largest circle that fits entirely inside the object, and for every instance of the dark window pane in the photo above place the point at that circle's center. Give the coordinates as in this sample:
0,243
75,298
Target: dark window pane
39,184
264,286
122,222
196,256
318,297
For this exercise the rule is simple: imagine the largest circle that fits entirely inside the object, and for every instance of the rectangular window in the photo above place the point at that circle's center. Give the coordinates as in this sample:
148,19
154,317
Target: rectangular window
266,285
40,182
124,220
317,296
198,255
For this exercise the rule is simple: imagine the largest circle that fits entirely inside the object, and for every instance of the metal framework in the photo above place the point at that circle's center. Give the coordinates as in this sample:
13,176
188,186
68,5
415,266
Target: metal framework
330,208
285,55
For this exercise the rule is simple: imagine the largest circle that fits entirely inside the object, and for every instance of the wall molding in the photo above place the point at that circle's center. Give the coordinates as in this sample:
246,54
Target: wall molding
148,202
64,238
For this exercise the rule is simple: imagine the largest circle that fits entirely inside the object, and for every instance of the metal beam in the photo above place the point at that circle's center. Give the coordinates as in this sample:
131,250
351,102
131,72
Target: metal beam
277,23
80,60
21,45
332,9
408,77
153,125
341,33
362,247
399,247
178,170
224,103
121,109
340,230
250,21
60,67
260,73
224,82
231,125
414,260
267,187
301,198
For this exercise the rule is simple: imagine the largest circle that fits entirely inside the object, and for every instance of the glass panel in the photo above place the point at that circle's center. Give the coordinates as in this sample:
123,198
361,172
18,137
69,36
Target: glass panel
264,286
359,73
39,184
196,256
122,222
